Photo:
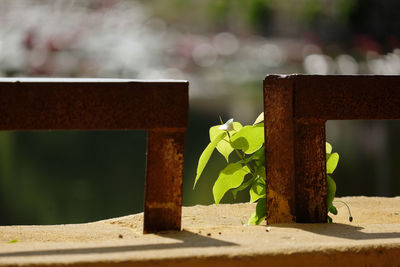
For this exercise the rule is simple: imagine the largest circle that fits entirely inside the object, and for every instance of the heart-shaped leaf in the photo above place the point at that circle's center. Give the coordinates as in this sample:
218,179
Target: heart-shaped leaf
205,156
249,139
331,162
230,177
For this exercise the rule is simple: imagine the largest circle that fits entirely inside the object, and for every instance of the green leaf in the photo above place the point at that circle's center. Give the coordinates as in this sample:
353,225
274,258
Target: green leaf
257,191
260,118
205,156
261,163
13,241
249,138
230,177
224,147
331,162
332,209
260,214
260,171
259,155
258,174
242,186
328,148
331,188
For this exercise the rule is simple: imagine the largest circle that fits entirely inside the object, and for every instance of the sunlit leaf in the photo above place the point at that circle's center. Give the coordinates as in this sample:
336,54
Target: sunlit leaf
328,148
13,241
260,118
249,138
260,214
230,177
257,191
331,188
259,174
331,162
242,186
205,156
224,147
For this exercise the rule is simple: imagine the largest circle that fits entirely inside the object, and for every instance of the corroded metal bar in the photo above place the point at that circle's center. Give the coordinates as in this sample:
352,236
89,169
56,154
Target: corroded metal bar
310,171
164,176
278,119
161,107
299,120
338,97
91,104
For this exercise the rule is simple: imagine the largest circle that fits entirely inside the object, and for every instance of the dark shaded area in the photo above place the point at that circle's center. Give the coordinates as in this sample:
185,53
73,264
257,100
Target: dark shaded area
70,177
378,19
340,230
187,240
369,161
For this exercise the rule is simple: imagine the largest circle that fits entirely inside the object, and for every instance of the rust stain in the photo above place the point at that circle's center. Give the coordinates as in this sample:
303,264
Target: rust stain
279,206
161,205
310,172
278,110
164,174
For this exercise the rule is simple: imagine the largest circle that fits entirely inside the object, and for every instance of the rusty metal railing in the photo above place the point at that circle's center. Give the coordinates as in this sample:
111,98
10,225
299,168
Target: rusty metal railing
296,108
160,107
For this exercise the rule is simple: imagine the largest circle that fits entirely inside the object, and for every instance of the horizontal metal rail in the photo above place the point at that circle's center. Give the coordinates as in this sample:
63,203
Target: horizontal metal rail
161,107
296,108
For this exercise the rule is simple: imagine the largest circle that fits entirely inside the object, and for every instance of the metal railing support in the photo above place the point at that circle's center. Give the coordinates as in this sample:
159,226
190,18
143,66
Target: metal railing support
296,108
160,107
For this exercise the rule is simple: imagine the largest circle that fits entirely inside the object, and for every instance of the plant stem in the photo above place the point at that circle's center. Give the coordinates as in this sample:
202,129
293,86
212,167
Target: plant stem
348,208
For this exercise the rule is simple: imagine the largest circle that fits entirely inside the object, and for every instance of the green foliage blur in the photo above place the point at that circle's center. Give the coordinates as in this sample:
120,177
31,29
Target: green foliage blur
255,16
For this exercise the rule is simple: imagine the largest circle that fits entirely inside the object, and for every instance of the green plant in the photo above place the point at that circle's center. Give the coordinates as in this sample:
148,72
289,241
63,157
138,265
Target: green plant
247,169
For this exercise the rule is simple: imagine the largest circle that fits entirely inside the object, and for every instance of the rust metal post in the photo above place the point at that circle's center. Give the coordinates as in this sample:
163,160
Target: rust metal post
164,176
310,171
278,119
161,107
296,108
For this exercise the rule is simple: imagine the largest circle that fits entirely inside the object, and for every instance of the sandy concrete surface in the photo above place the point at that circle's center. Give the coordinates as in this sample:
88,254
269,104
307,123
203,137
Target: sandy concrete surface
215,236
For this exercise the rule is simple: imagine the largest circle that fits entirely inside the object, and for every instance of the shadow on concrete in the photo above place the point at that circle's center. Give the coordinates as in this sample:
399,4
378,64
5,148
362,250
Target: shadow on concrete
188,240
339,230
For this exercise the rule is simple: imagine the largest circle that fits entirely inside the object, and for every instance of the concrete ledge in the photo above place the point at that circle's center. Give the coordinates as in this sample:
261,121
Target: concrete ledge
215,236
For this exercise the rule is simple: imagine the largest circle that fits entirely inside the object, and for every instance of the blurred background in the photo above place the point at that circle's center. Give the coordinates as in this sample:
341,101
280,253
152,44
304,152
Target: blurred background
224,48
